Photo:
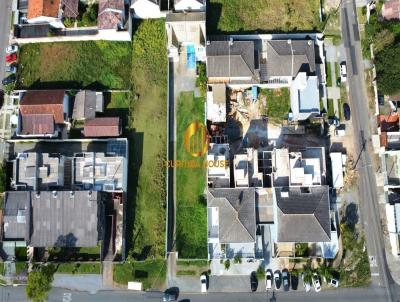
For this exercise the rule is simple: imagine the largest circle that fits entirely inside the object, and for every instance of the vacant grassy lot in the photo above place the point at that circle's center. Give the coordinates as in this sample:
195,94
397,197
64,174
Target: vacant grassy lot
79,268
151,273
88,64
191,217
148,124
277,105
262,16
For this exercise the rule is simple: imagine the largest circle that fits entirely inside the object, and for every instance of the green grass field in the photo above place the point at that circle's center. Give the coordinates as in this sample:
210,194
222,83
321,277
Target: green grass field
75,65
262,16
278,104
151,273
148,124
79,268
191,212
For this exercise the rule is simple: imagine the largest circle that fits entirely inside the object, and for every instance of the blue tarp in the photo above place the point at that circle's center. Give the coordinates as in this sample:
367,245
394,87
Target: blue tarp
254,92
191,57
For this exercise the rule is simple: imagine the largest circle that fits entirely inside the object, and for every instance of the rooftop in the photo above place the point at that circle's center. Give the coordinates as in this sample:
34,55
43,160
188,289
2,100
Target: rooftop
391,9
46,8
37,124
111,14
16,215
85,105
70,8
102,127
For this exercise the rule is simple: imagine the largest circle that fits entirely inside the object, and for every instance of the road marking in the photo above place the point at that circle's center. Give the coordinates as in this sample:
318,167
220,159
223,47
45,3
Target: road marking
67,297
375,274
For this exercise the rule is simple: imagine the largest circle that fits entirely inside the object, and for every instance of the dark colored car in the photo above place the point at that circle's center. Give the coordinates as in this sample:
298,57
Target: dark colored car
8,80
253,281
346,111
171,294
285,279
277,279
11,58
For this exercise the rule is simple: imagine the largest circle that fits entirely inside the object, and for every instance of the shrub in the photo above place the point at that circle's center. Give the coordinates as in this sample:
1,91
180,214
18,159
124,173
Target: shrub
237,260
227,264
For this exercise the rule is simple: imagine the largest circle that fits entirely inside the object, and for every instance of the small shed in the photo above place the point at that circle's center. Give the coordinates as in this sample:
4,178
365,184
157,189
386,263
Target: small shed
102,127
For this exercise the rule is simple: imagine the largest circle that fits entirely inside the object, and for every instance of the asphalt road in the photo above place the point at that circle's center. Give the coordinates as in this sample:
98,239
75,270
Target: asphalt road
369,210
13,294
5,15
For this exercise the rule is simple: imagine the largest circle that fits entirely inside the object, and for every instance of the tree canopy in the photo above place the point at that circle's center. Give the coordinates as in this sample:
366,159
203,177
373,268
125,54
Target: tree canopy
388,69
39,283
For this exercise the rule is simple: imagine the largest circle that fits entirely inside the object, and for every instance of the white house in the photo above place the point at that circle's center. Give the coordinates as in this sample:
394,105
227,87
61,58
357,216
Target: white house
189,5
147,9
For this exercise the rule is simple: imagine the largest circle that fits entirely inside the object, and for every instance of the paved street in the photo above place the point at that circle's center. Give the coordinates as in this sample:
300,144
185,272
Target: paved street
369,211
5,15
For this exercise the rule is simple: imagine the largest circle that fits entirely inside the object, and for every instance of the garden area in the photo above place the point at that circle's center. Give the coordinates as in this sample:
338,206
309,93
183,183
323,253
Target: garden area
74,254
191,217
78,268
192,267
259,16
150,272
277,104
75,65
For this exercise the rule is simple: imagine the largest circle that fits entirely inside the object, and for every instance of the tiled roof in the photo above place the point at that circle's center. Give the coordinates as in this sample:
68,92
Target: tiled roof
102,126
303,214
37,124
38,8
44,102
109,17
84,105
70,8
391,9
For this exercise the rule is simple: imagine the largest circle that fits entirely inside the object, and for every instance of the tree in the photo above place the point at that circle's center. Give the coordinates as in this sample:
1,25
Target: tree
383,39
39,283
388,69
308,272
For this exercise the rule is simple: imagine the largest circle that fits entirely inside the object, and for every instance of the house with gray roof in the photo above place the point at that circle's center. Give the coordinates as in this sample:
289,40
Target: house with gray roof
231,222
16,216
86,104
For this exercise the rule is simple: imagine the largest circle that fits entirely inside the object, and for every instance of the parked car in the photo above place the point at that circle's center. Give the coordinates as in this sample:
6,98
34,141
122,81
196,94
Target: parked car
12,48
11,69
307,286
8,80
268,280
285,280
11,58
277,279
346,111
203,282
334,283
253,281
170,295
343,72
316,283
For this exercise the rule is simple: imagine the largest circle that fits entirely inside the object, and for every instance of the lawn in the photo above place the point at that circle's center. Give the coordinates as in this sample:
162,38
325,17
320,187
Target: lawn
148,124
191,212
331,109
151,272
328,74
75,65
278,104
79,268
262,16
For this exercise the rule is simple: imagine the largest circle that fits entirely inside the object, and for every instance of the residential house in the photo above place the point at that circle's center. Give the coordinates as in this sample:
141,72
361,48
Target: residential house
111,15
149,9
388,137
218,175
102,127
44,11
216,103
391,10
338,162
86,104
42,113
70,8
232,62
245,169
189,5
231,222
186,34
54,218
393,220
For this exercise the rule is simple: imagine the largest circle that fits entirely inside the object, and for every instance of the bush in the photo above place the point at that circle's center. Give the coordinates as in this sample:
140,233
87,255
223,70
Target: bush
388,69
227,264
201,80
260,272
237,260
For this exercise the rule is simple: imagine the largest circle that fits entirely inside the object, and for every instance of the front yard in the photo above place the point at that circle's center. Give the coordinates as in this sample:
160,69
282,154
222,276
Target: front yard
74,65
277,104
191,212
262,16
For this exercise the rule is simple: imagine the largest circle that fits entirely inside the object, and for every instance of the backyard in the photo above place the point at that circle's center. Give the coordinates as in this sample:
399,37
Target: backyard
277,104
262,16
147,124
151,273
75,65
190,184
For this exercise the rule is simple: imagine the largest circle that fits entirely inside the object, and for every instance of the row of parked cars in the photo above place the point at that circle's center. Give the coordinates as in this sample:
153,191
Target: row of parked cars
11,64
283,279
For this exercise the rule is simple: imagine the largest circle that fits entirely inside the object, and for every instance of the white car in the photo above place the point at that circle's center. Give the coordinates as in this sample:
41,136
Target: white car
343,72
307,286
316,283
203,281
268,280
12,48
11,69
334,283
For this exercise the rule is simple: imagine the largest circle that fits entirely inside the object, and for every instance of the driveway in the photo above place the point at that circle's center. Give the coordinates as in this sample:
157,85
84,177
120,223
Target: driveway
87,282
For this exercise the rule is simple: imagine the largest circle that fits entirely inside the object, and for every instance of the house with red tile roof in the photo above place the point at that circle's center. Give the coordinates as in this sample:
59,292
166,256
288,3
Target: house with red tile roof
102,127
111,14
391,10
45,11
42,113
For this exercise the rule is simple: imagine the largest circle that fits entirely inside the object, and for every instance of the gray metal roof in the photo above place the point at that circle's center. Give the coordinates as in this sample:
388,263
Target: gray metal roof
16,215
303,214
227,61
84,105
280,61
186,17
66,219
237,218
